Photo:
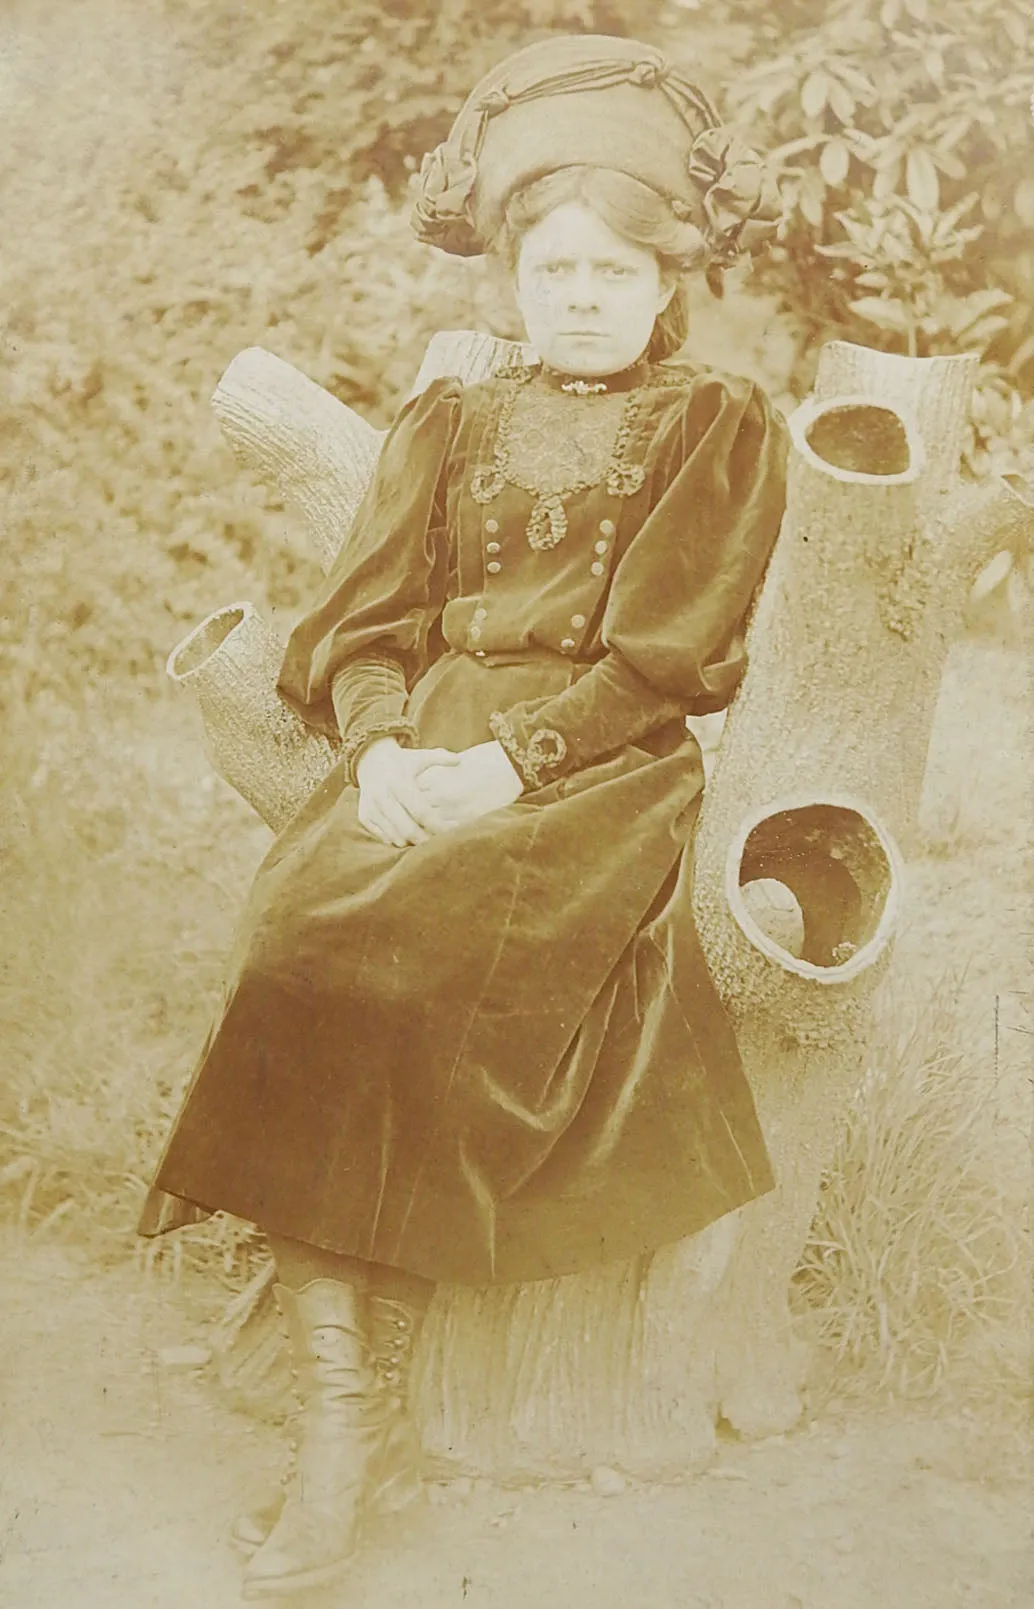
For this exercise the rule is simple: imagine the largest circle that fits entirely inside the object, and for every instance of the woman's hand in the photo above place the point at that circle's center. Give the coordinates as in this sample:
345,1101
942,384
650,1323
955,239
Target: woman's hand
392,806
479,779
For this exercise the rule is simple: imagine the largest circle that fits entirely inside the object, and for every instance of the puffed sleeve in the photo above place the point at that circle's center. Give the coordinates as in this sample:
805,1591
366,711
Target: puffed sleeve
674,619
351,660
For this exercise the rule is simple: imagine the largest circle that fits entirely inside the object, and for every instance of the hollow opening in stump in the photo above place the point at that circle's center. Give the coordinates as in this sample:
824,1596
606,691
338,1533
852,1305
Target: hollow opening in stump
862,437
814,885
205,640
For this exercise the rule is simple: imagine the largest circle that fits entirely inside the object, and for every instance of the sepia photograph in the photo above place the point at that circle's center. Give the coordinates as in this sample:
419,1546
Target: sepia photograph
516,900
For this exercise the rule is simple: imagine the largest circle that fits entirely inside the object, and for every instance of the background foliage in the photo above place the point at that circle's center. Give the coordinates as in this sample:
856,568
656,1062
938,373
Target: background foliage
246,182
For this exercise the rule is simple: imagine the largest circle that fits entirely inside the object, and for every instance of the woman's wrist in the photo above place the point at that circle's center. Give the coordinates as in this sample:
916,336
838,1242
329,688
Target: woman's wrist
370,747
359,744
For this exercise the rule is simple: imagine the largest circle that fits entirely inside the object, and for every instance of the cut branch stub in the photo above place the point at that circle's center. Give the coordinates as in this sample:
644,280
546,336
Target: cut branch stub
980,521
933,392
231,663
319,453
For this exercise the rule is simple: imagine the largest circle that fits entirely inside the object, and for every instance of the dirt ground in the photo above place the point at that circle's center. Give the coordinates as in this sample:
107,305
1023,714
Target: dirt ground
121,1477
120,1473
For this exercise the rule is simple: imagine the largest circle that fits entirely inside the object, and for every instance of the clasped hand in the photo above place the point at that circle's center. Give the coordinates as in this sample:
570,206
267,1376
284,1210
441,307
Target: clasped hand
409,795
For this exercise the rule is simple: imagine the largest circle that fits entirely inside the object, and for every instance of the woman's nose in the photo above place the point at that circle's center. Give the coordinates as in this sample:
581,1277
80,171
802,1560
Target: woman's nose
583,291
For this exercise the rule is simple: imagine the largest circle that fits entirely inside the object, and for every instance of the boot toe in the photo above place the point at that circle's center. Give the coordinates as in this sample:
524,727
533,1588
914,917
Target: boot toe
281,1573
305,1549
250,1530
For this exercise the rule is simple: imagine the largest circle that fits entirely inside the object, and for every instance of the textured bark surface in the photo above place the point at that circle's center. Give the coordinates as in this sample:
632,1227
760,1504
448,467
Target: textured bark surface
230,662
818,774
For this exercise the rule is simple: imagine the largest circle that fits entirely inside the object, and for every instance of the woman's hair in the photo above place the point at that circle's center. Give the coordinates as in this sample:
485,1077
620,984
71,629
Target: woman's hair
632,210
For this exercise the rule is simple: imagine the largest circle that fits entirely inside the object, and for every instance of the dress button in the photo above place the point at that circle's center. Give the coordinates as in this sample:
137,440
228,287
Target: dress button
597,568
475,632
480,614
608,528
492,525
578,620
493,566
567,644
492,547
601,547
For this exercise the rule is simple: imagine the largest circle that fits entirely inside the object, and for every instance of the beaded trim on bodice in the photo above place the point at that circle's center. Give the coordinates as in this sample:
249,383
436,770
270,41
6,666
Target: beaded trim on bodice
553,446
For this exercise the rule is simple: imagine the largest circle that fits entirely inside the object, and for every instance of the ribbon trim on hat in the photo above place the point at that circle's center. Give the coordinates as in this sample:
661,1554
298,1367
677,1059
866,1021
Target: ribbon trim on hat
741,202
443,213
741,205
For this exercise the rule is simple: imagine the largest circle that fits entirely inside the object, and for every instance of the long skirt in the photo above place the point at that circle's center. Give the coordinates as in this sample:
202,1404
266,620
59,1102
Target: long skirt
493,1056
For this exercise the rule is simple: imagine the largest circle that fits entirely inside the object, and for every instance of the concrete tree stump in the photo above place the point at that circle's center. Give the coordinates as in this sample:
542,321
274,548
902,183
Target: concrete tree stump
816,784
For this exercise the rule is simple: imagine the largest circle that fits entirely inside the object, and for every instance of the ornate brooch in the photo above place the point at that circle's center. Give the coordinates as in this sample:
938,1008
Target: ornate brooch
584,388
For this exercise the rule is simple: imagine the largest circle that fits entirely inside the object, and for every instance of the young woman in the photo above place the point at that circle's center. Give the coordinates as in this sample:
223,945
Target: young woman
468,1034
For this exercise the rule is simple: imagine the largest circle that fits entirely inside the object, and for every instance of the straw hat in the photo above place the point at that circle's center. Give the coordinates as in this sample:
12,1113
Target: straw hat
589,99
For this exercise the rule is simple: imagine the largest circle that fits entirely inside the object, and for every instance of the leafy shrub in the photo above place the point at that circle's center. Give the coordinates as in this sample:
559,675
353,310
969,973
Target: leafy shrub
896,128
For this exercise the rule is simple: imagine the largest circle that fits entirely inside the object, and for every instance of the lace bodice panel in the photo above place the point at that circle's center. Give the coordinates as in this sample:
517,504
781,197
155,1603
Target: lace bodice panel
535,511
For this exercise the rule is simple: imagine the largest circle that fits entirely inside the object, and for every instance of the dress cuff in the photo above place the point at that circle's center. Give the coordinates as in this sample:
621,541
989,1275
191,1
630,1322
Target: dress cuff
539,758
360,738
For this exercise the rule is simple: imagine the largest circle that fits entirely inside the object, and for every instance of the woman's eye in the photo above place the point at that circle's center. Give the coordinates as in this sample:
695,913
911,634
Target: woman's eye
615,271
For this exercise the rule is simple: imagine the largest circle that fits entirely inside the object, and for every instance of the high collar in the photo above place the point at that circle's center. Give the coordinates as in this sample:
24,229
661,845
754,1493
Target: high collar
593,385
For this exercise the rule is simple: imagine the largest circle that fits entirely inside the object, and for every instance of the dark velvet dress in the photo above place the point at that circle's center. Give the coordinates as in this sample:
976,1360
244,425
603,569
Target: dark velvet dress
498,1055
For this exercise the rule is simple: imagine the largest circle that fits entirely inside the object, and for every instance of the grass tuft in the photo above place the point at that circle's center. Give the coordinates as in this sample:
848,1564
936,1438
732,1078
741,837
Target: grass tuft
914,1265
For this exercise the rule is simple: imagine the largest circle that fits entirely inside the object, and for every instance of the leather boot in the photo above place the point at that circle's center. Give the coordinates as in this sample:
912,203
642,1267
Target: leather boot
391,1328
342,1429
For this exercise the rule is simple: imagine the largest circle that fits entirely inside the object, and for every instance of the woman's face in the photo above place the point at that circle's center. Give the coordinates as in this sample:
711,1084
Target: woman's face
589,298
